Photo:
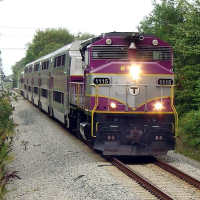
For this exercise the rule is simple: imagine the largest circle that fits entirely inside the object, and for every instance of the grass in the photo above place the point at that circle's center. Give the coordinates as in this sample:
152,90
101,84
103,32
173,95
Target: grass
186,150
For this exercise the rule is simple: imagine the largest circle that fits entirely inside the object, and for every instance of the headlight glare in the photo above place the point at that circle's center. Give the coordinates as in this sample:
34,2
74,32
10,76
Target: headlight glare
113,105
158,106
135,72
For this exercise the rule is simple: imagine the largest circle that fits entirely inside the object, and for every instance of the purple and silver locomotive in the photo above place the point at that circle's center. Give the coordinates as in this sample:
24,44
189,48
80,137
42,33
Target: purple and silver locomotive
115,91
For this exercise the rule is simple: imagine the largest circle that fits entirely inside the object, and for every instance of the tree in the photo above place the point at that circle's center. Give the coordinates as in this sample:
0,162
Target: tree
178,23
17,69
47,41
187,43
164,17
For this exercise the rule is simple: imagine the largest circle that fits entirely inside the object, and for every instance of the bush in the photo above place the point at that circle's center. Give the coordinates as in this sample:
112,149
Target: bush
189,129
6,133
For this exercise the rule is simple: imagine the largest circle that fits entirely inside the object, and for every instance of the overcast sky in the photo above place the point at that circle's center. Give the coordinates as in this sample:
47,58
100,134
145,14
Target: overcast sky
19,20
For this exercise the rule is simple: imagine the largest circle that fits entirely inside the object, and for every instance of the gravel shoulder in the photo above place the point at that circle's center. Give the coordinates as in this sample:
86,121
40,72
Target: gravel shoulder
187,165
53,164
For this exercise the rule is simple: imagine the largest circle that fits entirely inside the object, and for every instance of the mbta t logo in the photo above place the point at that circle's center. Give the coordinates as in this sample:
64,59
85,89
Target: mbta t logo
134,90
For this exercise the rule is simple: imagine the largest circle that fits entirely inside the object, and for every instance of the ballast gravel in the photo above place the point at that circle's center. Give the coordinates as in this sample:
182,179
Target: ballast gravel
54,165
187,165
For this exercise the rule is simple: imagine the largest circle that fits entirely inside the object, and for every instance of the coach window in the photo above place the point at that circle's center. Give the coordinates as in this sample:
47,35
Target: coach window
58,97
43,66
30,69
36,67
44,93
55,61
47,64
59,60
63,59
36,90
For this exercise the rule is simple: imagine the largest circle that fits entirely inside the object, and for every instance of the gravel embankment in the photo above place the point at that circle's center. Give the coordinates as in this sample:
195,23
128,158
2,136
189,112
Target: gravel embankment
53,164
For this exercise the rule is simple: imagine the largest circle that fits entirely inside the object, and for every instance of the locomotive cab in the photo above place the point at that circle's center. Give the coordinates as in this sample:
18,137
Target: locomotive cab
129,84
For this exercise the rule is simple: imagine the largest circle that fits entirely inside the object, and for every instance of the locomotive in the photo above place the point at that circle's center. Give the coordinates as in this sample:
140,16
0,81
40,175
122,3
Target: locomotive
116,91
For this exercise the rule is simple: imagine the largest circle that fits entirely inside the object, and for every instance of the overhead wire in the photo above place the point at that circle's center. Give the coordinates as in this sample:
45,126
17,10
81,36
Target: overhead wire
12,48
18,27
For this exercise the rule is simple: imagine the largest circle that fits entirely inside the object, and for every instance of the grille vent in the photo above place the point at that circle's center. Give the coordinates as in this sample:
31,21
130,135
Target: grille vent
153,53
110,52
140,54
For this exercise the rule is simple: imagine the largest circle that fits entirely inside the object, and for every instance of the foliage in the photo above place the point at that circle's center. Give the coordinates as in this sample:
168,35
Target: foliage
187,88
47,41
164,18
17,69
187,40
189,129
178,23
6,132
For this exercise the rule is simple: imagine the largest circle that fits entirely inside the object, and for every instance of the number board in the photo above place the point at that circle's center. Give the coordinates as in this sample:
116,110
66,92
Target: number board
163,81
103,81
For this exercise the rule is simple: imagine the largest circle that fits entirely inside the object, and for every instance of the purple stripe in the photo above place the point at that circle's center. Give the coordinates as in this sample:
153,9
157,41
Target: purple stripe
76,78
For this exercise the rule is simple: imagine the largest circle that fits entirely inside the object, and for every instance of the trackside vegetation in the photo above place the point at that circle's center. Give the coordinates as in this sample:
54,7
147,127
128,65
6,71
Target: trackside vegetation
6,134
188,141
178,23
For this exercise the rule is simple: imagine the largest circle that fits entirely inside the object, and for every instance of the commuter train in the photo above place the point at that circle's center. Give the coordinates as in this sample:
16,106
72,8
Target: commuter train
116,91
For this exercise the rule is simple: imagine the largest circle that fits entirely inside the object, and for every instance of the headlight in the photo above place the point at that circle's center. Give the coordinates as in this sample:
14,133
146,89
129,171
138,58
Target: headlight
108,41
158,106
135,72
113,105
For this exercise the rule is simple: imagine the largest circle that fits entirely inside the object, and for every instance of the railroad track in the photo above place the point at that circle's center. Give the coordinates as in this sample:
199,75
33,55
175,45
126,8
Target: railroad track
146,184
178,173
140,180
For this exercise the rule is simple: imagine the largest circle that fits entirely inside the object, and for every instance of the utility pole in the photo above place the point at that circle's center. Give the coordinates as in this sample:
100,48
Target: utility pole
1,74
1,71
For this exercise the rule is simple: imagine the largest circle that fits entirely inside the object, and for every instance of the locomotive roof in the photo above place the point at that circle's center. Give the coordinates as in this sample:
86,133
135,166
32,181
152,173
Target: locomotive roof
123,34
85,43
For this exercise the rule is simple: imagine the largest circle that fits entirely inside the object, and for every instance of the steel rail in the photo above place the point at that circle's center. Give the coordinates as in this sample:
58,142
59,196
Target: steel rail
178,173
140,180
